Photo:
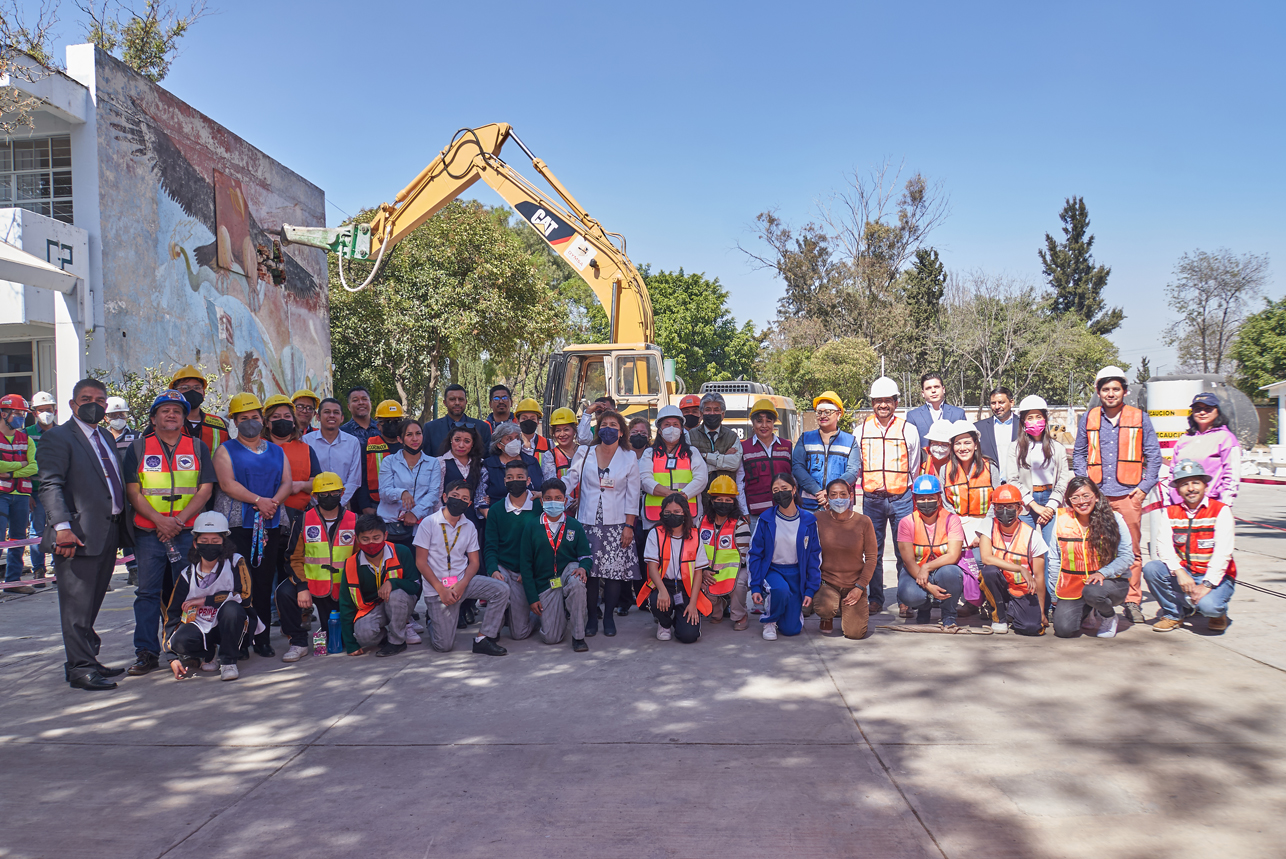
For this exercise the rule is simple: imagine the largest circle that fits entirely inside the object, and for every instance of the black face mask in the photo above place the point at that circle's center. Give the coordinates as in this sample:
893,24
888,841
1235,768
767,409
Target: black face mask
1006,515
328,502
282,428
638,441
456,506
528,427
928,507
784,498
672,520
712,422
90,413
516,487
406,448
690,421
194,397
210,551
724,508
391,429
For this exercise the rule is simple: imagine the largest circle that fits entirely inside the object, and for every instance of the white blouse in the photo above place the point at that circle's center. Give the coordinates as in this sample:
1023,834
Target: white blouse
621,495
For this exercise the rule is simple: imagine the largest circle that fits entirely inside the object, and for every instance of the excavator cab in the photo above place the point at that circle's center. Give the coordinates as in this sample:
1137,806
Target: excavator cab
631,373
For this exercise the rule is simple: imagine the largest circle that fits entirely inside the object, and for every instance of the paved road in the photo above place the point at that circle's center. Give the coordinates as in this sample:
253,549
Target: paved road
898,746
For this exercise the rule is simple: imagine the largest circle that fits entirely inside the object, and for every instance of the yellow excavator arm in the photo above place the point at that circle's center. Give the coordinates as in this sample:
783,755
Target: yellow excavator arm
473,154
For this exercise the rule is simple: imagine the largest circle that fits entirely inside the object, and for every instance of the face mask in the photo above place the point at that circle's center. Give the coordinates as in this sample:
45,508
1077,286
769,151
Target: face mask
91,413
328,502
672,520
1035,428
940,451
250,429
528,427
725,508
117,424
194,397
839,505
671,434
282,428
712,421
554,509
45,418
638,441
609,435
374,549
1006,515
784,498
513,447
456,506
927,507
516,487
390,429
210,551
690,421
16,422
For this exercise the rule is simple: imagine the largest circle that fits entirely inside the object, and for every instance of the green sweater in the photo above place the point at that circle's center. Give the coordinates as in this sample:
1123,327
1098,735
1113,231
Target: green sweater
504,535
537,562
369,586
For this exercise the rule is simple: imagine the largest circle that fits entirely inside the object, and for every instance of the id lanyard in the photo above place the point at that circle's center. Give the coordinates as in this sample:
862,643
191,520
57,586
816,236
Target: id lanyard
450,547
554,543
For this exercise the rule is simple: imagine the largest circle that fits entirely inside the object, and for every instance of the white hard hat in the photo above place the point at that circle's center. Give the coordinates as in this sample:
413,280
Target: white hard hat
116,404
42,398
1110,372
884,387
940,431
1031,402
211,522
960,427
670,411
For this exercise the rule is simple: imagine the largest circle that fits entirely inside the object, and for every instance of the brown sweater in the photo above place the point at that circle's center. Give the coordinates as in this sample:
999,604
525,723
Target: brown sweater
848,549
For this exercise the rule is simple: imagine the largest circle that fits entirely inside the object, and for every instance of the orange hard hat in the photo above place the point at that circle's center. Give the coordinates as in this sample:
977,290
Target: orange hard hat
13,401
1007,494
691,401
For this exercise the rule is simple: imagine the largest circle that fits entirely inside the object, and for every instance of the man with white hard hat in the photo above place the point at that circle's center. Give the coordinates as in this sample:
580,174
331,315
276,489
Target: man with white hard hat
118,425
1124,459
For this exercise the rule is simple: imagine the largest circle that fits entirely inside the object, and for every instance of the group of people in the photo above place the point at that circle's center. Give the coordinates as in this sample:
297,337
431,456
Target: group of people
265,519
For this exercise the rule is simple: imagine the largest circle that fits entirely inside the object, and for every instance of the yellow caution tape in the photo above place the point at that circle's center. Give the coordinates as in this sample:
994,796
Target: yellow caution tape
1169,413
1169,435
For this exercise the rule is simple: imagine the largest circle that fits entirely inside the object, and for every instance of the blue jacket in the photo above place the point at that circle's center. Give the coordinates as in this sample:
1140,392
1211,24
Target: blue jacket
920,417
807,546
814,466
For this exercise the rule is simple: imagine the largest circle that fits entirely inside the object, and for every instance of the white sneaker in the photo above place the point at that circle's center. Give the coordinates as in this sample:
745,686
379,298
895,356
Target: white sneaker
770,632
663,634
209,666
229,672
1107,627
1000,628
295,653
415,626
412,634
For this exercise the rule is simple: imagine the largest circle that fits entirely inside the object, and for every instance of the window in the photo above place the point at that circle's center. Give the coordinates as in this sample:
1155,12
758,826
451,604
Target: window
36,175
637,376
16,369
595,384
571,375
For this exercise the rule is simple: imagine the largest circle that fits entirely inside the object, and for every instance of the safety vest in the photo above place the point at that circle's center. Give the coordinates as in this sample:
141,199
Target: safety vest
673,477
1129,446
721,548
376,449
320,552
761,468
167,484
1194,537
885,458
539,445
927,547
298,453
213,430
687,570
1078,558
14,450
561,462
968,496
1017,551
928,465
392,570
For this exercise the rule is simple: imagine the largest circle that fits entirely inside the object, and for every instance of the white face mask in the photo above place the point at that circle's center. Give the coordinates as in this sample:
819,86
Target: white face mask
671,434
513,447
45,418
940,451
117,424
839,505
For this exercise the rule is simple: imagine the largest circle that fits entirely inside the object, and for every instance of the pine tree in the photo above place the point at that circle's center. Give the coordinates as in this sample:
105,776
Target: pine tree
926,282
1076,281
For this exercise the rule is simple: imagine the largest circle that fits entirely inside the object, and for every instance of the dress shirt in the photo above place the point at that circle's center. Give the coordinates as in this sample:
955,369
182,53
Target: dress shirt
1003,432
343,456
424,482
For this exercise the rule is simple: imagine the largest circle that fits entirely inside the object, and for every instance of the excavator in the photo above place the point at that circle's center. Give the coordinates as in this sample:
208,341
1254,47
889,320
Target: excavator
630,368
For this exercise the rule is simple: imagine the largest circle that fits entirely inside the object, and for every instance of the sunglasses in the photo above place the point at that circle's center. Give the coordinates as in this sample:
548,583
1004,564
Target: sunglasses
1201,409
499,398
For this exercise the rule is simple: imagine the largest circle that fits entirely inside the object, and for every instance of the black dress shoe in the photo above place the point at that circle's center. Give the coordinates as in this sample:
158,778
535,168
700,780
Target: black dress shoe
488,647
92,682
389,649
265,650
112,672
462,622
591,627
579,645
622,611
609,624
144,664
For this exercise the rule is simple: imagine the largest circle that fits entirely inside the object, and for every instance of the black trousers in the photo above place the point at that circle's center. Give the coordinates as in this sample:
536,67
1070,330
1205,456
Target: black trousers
82,583
228,634
1022,613
674,617
292,525
262,575
1102,599
292,616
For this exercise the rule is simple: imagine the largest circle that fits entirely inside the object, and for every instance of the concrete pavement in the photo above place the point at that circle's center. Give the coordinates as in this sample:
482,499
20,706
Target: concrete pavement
897,746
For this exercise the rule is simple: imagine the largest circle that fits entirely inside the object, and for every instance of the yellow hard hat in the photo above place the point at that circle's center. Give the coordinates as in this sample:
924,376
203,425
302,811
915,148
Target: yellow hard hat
828,397
243,402
328,481
188,372
274,401
389,409
562,416
304,392
528,405
764,405
723,485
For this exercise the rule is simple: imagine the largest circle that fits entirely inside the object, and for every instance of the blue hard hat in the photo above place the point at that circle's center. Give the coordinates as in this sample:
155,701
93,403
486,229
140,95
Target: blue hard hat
170,396
926,484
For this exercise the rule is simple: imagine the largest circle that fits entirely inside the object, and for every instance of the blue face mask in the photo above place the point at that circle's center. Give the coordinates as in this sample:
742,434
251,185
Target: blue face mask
553,509
16,422
839,505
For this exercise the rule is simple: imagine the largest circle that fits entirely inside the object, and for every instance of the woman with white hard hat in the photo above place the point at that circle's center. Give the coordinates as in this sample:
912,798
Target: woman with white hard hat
672,466
1037,465
209,613
937,447
968,479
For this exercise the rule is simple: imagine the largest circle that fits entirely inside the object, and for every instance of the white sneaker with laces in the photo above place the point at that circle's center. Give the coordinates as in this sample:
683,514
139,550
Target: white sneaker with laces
295,653
1107,627
770,632
1000,628
415,626
229,672
412,634
663,634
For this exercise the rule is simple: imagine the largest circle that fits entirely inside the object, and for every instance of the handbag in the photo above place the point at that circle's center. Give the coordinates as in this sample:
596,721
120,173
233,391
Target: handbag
972,588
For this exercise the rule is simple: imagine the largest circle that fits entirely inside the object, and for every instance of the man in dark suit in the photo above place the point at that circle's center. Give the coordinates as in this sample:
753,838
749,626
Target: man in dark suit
84,498
436,432
998,433
934,408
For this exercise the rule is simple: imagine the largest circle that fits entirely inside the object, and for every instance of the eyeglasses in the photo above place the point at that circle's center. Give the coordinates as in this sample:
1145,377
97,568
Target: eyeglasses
499,398
827,413
1202,408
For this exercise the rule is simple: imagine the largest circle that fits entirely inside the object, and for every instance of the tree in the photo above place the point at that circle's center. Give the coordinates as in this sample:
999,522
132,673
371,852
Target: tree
140,389
1260,349
923,287
148,41
1144,372
25,55
696,329
1211,294
1078,283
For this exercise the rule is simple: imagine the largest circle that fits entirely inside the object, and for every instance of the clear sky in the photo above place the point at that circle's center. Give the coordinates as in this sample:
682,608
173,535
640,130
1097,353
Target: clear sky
675,123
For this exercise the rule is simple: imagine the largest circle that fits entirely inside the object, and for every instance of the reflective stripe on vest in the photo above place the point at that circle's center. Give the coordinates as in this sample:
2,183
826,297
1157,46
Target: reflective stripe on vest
392,570
761,468
376,450
14,450
539,445
1018,551
1077,557
319,552
687,570
167,484
561,462
1194,537
721,549
1129,446
968,495
926,550
673,479
885,457
212,430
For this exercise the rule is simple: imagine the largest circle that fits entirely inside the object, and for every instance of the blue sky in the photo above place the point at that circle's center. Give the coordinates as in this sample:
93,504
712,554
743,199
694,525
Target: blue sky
675,123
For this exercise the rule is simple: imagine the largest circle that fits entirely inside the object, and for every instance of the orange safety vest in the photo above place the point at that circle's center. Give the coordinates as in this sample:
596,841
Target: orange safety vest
213,430
927,548
392,570
1018,551
926,463
539,445
687,570
1078,558
320,551
14,451
674,478
968,496
885,458
561,462
1194,537
1129,446
167,484
376,449
725,557
298,453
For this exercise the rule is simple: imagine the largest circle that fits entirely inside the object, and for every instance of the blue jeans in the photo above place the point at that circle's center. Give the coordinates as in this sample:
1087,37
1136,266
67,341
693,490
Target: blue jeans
152,565
37,528
784,582
950,578
1046,530
891,510
15,511
1165,589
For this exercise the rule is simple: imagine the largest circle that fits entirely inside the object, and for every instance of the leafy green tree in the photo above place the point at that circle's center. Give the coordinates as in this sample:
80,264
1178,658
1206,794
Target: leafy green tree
924,284
1144,372
1260,349
146,41
696,329
1077,282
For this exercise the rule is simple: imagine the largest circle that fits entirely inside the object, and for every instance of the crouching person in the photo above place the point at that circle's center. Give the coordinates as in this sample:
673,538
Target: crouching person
1013,567
446,552
675,559
930,541
207,612
328,540
555,561
1194,566
381,585
786,560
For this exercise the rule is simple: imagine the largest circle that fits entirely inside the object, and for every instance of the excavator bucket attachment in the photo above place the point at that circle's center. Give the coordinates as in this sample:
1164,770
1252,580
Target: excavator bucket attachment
350,242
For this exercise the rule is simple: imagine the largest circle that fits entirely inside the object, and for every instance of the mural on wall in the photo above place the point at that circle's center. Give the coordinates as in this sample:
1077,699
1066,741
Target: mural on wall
193,271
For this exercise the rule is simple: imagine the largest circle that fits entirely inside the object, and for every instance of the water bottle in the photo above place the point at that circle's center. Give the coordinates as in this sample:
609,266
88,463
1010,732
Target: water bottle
334,638
319,642
172,552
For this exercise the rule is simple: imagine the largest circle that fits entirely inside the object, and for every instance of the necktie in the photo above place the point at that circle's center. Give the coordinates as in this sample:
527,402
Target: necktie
113,479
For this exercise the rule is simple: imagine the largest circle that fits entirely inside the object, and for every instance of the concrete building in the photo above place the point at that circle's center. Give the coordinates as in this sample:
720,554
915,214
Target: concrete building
171,223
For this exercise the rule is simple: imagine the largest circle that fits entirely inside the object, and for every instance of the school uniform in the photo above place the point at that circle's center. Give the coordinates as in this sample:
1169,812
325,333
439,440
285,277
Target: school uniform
786,559
448,547
550,551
